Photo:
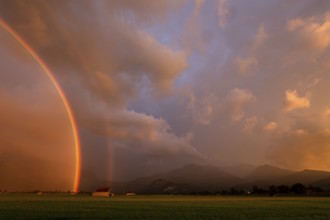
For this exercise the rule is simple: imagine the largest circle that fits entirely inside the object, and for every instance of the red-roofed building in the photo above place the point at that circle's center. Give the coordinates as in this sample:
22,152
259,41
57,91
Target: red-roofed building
102,192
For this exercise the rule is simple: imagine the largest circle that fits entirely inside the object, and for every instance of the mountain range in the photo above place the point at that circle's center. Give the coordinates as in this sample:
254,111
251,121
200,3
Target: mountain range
201,178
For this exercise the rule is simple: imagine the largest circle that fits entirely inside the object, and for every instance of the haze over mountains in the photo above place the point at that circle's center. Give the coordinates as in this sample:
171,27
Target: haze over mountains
200,178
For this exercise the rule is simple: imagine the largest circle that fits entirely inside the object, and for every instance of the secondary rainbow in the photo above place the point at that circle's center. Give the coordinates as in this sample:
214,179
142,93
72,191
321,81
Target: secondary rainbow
50,75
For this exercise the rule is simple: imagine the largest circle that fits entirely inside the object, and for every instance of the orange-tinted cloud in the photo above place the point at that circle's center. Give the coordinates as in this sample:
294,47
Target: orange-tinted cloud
305,147
294,101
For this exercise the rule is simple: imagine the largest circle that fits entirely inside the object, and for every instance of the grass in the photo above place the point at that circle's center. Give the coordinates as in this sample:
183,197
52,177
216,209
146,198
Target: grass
64,206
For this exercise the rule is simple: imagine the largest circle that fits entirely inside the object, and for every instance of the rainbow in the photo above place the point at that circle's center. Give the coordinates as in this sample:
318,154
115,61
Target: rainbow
58,88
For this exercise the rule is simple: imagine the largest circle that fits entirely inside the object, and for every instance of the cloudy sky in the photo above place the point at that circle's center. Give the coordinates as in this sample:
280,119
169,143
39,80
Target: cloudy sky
158,84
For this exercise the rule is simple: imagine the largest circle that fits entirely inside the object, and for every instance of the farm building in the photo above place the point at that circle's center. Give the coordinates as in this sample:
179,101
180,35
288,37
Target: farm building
130,194
102,192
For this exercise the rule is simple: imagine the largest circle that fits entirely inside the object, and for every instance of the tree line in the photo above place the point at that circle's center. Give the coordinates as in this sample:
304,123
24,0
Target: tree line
297,188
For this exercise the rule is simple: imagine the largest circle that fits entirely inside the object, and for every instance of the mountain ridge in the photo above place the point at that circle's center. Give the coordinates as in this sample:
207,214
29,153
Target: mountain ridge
199,178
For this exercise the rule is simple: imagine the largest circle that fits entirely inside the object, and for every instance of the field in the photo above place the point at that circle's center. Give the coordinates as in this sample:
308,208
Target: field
64,206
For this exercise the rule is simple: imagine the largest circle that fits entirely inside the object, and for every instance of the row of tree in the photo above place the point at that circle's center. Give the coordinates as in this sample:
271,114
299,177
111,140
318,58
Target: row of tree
297,188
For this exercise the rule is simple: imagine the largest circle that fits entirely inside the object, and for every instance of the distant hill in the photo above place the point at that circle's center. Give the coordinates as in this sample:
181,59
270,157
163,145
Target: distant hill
189,178
306,177
199,178
265,176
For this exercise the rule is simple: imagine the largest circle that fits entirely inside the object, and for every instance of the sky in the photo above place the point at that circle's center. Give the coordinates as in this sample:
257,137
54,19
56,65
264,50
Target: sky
155,85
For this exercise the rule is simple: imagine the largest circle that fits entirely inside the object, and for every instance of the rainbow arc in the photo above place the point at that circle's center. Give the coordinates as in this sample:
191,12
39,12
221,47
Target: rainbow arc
58,88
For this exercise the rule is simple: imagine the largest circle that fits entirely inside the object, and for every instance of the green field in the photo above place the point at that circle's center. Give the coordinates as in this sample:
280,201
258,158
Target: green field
63,206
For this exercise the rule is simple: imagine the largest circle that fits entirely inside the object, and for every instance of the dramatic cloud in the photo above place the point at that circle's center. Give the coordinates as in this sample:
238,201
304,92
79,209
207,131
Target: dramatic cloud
145,133
125,57
313,31
294,101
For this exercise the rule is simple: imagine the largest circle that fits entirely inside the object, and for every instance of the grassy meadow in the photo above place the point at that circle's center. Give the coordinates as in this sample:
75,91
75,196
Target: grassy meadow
65,206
